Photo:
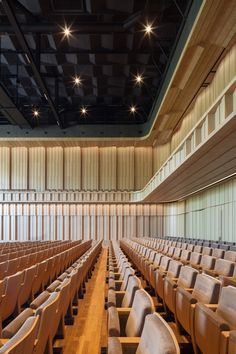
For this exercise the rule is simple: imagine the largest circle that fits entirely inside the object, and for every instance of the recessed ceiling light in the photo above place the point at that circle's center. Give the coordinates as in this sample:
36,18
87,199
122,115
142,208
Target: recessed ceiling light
139,79
84,111
133,109
148,28
77,80
67,31
36,113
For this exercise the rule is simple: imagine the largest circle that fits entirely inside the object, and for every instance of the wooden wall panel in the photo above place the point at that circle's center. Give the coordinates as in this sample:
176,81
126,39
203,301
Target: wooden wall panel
160,155
107,168
76,168
19,168
4,168
223,76
63,221
55,167
90,161
72,168
143,166
37,168
125,168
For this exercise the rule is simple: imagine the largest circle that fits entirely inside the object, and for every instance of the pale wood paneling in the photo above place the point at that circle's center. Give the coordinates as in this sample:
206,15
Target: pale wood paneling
125,166
222,78
19,168
90,161
4,168
70,221
72,168
160,155
55,168
37,168
143,167
107,167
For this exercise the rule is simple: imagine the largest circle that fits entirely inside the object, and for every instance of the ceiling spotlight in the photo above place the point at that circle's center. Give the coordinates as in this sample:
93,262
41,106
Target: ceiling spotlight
77,80
67,31
133,109
83,111
138,79
148,29
35,113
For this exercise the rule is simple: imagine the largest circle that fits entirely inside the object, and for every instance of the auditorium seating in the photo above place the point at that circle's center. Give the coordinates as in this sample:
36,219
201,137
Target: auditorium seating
212,322
54,305
22,339
156,334
189,291
129,322
124,298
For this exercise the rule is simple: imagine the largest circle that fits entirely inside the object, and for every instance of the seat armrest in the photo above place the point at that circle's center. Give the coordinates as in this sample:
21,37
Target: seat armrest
14,326
114,346
189,290
123,311
212,307
129,344
113,322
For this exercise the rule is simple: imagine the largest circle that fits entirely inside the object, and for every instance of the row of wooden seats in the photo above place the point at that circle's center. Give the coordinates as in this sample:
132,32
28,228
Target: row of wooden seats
210,263
12,247
30,331
133,323
226,245
164,245
200,303
19,263
16,290
53,246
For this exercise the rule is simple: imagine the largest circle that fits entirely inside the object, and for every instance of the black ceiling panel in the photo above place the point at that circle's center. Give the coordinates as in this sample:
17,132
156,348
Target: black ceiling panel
107,48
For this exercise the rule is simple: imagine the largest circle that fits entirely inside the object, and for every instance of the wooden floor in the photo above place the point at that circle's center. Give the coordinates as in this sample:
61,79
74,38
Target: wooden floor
88,333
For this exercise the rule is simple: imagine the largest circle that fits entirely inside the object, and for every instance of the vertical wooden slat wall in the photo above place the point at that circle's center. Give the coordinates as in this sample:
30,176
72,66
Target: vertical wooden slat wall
19,168
37,168
75,168
5,168
23,222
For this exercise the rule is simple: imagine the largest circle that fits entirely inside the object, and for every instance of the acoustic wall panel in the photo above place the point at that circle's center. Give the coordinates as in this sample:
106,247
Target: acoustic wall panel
72,168
107,168
90,162
54,168
50,221
5,168
19,168
125,168
37,168
143,166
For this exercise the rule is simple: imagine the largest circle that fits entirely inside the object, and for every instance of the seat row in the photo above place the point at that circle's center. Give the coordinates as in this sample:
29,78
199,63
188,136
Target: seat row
13,265
18,289
133,324
30,245
164,245
159,255
226,245
200,304
29,332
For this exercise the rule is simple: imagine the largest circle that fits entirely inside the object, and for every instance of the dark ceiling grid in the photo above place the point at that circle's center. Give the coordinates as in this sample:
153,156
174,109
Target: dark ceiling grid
107,48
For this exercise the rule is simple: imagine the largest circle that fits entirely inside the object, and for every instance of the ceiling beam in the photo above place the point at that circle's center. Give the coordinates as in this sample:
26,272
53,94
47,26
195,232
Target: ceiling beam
10,110
24,45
